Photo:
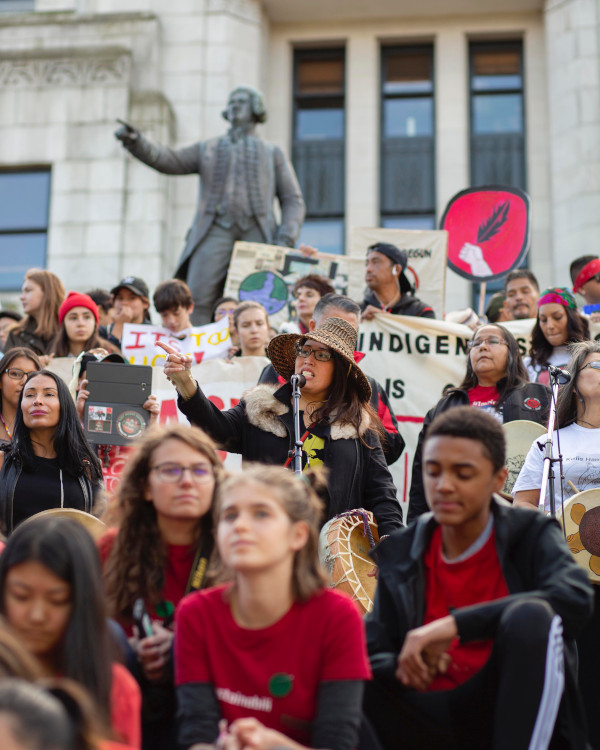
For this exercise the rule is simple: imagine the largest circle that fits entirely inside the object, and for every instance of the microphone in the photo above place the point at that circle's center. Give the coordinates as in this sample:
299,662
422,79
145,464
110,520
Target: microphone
298,381
561,376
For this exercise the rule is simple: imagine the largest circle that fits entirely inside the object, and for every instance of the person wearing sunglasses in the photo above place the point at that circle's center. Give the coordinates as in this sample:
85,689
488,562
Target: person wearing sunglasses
578,434
15,366
339,428
496,381
159,553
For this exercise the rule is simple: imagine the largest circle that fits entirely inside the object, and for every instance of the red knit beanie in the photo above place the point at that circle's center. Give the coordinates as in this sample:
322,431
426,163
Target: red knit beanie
75,299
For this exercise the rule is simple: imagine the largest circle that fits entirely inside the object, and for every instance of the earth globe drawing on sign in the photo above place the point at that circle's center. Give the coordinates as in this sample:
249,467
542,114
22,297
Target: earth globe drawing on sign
266,287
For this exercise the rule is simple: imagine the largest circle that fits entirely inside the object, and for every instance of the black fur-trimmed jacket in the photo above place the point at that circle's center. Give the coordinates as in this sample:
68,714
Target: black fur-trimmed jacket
261,428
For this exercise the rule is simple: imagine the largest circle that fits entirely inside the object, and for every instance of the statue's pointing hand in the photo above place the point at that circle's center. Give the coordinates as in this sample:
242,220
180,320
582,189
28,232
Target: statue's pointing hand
127,134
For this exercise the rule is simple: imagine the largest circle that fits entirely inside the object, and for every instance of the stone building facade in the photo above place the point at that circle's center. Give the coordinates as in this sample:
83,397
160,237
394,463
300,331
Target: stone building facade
70,68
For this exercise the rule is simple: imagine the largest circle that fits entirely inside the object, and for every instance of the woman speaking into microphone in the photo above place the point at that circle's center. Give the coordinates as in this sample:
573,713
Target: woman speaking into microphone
339,429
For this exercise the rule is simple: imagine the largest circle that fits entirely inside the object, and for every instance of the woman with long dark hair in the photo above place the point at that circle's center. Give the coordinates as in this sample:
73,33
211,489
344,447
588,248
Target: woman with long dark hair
339,428
495,380
51,596
15,366
41,297
49,463
159,553
578,420
275,653
557,325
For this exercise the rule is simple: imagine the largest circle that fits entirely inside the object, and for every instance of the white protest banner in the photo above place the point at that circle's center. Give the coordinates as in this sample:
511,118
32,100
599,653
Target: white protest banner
426,250
223,382
204,343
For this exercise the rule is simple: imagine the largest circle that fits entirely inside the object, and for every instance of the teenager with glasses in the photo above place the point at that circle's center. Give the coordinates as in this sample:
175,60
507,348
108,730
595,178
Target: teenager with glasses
15,366
496,381
159,553
339,428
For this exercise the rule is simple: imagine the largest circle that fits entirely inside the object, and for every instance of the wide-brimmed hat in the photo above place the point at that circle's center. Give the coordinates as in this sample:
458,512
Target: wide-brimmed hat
94,526
336,334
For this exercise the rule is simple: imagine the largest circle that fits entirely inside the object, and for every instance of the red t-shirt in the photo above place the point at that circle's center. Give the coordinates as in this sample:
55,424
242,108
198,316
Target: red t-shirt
483,396
448,586
274,673
178,568
126,706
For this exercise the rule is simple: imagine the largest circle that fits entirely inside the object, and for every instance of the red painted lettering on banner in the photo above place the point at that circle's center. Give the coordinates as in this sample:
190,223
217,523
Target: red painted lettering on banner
137,344
217,402
168,411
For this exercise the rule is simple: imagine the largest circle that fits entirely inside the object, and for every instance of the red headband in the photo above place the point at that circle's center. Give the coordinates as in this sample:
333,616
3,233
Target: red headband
590,269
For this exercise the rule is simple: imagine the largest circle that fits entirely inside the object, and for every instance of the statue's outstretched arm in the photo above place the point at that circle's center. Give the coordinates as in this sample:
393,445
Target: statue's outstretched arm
163,159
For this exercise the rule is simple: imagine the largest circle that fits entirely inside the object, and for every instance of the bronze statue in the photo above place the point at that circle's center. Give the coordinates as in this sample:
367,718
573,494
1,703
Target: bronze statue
240,176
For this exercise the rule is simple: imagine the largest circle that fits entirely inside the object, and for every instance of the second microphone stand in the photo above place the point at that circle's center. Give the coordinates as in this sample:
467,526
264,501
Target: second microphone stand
557,377
297,381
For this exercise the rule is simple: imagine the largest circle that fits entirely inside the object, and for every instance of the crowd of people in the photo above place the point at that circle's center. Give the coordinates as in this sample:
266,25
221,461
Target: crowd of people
185,606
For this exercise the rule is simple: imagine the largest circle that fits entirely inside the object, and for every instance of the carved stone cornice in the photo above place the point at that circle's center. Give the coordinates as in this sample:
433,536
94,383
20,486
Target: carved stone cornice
72,67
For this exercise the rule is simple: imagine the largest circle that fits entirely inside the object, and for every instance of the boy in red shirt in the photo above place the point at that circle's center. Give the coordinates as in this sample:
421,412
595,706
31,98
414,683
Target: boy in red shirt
470,638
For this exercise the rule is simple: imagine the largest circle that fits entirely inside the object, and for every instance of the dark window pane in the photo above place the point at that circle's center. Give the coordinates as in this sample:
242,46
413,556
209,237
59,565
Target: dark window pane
327,235
320,76
407,73
24,200
319,124
18,252
407,117
408,222
498,113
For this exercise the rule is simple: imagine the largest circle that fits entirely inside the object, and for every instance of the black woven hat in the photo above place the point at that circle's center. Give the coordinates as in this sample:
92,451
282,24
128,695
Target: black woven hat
336,334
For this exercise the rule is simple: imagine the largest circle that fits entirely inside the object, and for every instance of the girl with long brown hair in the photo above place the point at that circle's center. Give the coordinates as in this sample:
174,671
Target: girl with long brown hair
42,295
159,553
275,654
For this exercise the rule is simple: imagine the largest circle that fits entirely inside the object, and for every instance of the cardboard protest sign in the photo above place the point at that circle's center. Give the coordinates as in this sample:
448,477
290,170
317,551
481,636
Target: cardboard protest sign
426,252
488,231
267,274
138,343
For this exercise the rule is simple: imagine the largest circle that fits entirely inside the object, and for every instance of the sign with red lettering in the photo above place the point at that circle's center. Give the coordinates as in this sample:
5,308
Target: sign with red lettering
488,231
203,343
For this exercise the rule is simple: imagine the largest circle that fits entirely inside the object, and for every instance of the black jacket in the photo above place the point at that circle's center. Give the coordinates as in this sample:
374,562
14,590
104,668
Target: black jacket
394,443
535,561
261,428
530,401
406,305
26,337
9,476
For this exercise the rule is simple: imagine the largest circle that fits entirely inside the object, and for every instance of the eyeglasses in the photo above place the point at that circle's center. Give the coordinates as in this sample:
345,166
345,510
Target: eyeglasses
321,355
15,374
595,365
492,341
172,472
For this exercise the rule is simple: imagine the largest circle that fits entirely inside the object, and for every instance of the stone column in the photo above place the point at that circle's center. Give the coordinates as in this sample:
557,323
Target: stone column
573,59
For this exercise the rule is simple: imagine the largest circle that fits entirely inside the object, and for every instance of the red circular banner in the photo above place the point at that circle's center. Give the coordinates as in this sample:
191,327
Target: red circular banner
488,231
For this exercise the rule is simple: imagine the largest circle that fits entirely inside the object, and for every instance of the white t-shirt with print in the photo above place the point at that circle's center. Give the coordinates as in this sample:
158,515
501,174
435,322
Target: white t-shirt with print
580,448
560,357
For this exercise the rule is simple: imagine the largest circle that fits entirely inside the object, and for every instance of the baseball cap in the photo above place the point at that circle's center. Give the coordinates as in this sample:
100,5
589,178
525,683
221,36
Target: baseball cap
134,284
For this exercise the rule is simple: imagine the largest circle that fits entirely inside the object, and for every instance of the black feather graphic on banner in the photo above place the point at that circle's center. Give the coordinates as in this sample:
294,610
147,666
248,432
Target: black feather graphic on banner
492,226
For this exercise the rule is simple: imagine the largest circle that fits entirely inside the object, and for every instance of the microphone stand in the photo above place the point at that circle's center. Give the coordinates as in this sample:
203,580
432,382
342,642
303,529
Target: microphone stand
297,381
557,377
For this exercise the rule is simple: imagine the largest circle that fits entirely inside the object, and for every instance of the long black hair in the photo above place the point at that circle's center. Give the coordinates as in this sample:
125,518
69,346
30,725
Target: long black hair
66,549
515,376
73,452
578,329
